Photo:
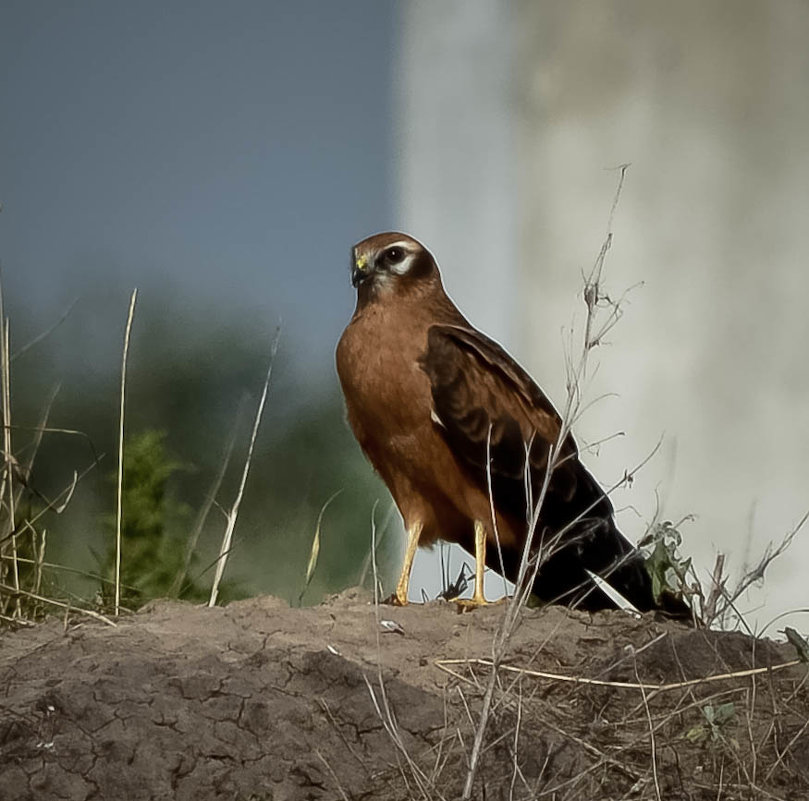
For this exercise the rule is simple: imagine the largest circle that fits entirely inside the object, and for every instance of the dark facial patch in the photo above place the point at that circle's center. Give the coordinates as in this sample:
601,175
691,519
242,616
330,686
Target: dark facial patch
391,256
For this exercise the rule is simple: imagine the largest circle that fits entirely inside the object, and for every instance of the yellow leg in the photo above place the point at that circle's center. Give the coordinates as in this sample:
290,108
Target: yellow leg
480,563
413,534
478,598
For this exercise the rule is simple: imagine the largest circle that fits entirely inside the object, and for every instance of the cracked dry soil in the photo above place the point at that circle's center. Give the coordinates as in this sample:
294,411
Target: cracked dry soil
258,701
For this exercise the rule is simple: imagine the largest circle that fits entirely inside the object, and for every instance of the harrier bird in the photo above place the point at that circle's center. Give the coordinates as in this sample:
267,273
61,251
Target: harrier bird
461,435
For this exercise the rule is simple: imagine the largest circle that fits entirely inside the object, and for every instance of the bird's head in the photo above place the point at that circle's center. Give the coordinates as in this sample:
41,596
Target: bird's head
390,262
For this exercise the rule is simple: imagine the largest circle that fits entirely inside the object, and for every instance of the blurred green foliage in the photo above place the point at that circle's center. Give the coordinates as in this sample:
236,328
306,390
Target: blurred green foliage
190,370
154,526
667,567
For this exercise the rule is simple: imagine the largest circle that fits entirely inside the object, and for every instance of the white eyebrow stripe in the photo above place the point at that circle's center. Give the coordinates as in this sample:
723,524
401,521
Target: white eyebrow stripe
404,265
399,244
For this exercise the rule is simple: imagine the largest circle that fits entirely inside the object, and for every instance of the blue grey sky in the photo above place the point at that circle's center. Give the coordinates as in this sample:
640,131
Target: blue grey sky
230,151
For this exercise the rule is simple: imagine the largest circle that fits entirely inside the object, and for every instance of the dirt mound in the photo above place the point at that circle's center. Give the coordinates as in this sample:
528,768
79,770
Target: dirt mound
260,701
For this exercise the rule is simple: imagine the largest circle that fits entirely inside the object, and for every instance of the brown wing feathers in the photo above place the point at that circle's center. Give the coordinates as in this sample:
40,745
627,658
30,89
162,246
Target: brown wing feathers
489,408
494,415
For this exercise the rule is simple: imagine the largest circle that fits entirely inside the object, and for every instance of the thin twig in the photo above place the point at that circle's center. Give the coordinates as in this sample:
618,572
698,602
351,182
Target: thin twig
786,750
590,748
45,334
60,502
757,573
24,560
39,432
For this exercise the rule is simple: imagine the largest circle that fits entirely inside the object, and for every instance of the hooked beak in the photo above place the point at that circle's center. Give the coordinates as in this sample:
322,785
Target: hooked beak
360,270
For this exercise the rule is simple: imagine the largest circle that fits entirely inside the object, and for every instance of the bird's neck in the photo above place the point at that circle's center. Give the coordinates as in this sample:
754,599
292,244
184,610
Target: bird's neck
424,301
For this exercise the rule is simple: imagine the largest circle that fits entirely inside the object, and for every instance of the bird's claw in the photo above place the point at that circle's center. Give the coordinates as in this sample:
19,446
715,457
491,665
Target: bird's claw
475,602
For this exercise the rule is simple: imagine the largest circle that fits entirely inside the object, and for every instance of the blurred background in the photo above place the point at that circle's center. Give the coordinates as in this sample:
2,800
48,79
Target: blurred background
223,158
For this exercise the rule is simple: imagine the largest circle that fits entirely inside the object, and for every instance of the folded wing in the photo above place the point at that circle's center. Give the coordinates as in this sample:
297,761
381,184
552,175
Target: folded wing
503,429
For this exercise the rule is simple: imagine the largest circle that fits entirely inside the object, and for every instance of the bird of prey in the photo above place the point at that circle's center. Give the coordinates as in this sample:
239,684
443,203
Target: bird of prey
461,435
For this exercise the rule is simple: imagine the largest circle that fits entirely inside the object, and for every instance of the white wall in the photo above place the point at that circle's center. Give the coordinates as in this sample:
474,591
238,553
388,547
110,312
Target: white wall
456,169
512,115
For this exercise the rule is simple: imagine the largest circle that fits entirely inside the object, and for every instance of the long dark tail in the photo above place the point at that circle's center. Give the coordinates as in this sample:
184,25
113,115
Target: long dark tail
571,549
575,537
596,545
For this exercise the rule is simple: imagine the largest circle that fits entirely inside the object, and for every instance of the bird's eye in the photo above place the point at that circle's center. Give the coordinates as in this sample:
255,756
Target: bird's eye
394,255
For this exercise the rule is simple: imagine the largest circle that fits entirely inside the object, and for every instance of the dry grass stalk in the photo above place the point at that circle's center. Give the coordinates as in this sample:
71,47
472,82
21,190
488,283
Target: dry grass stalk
205,509
718,580
61,604
233,514
120,481
314,553
652,741
755,574
423,782
45,334
532,558
384,529
630,756
444,664
333,775
27,468
22,544
8,534
10,462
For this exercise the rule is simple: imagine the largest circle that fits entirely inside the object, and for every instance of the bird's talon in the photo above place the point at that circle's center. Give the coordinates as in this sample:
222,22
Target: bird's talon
468,604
